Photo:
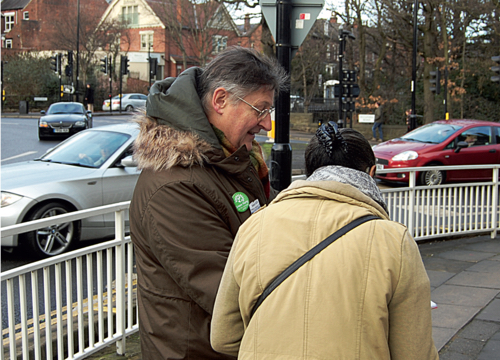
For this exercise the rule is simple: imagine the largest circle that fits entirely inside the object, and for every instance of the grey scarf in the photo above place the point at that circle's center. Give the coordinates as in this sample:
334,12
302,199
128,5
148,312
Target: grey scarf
360,180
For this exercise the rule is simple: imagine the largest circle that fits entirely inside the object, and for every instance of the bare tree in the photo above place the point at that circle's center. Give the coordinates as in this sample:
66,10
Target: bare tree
196,28
95,36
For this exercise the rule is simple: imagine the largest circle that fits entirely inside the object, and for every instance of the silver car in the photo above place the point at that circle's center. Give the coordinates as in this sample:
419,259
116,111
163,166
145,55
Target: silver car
92,168
130,102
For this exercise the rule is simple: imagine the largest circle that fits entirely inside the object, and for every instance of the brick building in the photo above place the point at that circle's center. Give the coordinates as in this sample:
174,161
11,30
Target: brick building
176,33
43,25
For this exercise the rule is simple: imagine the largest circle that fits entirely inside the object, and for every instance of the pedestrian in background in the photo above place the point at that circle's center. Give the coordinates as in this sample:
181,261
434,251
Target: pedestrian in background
203,175
89,98
365,296
379,122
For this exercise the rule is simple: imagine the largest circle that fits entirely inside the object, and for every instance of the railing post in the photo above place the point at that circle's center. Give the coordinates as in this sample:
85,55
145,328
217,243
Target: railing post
411,205
494,213
120,282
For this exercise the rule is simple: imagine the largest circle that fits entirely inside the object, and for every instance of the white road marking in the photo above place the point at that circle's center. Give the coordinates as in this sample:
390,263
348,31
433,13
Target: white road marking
20,155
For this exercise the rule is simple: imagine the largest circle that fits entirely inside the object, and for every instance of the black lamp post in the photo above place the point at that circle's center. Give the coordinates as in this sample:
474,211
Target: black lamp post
78,49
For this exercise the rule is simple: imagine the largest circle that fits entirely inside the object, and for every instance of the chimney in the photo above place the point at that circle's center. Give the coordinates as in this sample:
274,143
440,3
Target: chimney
333,19
247,23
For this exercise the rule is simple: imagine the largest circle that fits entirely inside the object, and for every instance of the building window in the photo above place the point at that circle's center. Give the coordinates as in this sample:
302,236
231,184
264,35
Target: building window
130,14
147,41
8,43
9,21
179,69
219,43
26,15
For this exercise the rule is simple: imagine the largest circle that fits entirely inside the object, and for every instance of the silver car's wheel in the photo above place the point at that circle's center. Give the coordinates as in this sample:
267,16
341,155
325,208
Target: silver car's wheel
129,108
52,240
432,177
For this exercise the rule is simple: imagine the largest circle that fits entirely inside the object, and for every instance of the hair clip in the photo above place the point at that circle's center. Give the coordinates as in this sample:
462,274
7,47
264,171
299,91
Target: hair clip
327,134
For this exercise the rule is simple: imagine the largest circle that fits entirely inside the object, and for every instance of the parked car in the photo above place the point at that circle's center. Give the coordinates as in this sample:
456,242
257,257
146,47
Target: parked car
130,102
63,119
443,142
90,169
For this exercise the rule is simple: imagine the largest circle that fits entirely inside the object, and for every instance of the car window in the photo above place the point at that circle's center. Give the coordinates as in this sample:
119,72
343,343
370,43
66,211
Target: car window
496,134
477,136
143,97
432,133
65,109
134,97
90,148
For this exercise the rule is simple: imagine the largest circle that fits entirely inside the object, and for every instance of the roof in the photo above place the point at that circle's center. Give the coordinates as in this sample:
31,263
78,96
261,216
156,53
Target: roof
467,122
14,4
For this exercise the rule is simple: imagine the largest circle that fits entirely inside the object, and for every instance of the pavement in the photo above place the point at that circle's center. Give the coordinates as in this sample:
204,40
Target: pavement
464,274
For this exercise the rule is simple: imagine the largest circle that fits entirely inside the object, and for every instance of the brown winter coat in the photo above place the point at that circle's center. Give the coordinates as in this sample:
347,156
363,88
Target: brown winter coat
366,296
183,220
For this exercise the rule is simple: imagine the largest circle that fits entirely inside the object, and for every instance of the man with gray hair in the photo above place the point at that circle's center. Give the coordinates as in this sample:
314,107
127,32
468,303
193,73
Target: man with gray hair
203,174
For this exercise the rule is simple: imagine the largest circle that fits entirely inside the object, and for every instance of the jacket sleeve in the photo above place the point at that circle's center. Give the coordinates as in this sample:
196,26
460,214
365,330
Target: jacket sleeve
410,328
227,326
189,238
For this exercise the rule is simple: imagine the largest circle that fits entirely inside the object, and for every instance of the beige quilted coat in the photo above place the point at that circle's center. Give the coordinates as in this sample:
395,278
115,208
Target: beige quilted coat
366,296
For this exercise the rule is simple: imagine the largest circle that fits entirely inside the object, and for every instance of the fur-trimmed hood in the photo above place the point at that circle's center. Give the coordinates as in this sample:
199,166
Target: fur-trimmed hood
175,130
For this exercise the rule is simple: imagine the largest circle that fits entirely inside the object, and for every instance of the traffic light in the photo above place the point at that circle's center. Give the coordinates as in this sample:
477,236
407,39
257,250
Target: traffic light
435,81
68,70
55,63
496,69
124,64
104,65
153,64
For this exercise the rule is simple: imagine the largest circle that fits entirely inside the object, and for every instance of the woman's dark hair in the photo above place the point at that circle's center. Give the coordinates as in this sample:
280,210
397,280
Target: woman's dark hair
343,147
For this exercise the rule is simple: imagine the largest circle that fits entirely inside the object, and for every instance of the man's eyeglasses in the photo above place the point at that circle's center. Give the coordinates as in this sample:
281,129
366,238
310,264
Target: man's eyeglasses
262,113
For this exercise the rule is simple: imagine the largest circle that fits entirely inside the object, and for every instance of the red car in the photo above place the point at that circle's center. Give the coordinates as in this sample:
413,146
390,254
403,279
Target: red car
443,142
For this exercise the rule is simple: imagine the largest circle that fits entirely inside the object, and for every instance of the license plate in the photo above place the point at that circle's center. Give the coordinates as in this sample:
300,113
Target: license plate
61,130
380,167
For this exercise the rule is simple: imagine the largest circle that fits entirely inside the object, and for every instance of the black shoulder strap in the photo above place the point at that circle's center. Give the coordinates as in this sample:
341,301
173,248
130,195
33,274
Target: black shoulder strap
308,256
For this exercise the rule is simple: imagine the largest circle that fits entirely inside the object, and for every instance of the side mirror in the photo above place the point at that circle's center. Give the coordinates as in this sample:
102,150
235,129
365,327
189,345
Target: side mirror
42,112
461,145
128,161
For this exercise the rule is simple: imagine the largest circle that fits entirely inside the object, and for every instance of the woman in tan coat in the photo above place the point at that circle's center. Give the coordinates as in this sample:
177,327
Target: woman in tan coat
365,296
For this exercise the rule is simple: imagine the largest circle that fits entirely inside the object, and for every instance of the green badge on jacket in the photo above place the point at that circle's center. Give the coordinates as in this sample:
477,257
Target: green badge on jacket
241,201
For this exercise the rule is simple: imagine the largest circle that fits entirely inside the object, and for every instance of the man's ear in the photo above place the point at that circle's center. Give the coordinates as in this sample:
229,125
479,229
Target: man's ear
372,171
220,99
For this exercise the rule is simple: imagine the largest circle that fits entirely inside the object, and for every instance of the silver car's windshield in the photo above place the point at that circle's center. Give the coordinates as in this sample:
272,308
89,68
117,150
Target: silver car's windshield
65,109
89,148
432,133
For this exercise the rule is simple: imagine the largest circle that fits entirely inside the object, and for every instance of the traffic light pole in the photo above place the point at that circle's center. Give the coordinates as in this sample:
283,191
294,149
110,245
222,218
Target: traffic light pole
413,117
281,152
445,99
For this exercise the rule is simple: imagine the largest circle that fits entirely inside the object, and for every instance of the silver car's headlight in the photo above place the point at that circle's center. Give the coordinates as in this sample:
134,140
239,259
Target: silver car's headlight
405,156
80,123
9,198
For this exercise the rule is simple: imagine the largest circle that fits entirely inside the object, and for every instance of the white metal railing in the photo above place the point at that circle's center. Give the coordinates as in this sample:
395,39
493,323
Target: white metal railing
84,313
73,304
448,209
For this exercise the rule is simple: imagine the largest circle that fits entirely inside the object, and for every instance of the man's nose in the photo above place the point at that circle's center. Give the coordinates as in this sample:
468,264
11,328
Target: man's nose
266,122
